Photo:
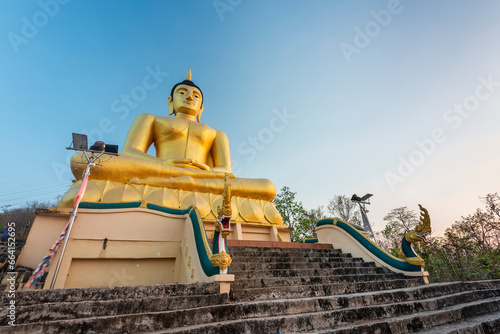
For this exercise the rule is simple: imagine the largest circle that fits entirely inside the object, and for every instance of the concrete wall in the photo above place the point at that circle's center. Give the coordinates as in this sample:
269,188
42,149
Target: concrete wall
113,244
86,273
44,232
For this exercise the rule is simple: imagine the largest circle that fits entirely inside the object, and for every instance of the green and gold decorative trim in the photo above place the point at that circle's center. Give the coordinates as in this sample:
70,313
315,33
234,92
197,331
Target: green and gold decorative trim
309,241
124,205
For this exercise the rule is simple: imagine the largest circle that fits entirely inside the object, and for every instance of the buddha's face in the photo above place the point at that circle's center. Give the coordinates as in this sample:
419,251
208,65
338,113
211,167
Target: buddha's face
186,100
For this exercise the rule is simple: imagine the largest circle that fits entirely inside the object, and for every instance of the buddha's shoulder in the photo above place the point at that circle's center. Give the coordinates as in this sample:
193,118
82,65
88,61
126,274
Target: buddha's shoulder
145,118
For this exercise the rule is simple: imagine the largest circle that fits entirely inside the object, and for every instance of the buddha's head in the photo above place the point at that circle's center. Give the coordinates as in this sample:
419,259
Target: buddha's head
186,98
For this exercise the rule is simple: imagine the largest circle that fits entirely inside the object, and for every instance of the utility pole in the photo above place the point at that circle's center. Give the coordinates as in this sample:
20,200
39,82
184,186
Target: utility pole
362,201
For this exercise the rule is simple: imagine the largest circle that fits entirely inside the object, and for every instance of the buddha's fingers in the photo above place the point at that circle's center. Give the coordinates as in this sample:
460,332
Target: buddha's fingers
201,174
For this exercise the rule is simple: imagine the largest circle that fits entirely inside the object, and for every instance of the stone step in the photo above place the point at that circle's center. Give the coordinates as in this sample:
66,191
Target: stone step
290,315
309,323
87,309
237,251
244,266
274,244
316,290
322,321
298,255
296,258
284,251
303,259
486,324
466,318
248,274
308,280
326,259
32,297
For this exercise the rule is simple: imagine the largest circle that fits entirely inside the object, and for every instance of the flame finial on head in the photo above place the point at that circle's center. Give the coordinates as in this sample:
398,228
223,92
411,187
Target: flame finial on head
188,75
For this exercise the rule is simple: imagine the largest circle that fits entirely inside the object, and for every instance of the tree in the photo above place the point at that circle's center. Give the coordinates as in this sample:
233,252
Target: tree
306,226
342,207
399,222
22,217
4,215
402,219
492,204
291,210
480,229
470,249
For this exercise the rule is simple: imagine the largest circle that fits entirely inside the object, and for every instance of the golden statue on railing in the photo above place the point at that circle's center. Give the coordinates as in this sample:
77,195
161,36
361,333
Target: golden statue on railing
190,156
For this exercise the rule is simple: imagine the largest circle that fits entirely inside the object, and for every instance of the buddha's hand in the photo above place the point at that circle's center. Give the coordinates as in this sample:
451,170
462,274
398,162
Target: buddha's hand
221,175
183,163
223,171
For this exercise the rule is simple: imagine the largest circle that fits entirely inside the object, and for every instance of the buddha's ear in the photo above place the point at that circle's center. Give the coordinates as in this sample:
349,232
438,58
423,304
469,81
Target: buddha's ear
171,110
199,115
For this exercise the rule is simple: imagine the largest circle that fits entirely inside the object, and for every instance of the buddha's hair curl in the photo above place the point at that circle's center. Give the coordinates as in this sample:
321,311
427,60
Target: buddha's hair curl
187,83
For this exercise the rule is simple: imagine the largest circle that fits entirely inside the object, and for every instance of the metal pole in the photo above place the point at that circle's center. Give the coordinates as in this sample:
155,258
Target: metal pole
90,163
366,222
66,237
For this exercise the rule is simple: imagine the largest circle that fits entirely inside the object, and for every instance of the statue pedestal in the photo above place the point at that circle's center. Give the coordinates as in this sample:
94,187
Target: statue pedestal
128,246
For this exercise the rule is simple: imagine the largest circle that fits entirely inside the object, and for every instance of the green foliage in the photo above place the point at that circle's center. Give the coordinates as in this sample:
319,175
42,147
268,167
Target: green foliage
470,249
291,211
447,264
306,226
294,215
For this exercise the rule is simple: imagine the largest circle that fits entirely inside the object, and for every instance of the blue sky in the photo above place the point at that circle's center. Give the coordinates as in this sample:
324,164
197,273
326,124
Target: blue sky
396,98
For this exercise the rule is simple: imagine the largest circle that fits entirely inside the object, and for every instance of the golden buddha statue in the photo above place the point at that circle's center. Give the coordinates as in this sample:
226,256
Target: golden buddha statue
190,156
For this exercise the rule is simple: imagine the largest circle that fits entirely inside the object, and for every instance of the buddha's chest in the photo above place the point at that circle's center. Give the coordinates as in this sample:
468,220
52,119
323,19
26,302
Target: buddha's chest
174,131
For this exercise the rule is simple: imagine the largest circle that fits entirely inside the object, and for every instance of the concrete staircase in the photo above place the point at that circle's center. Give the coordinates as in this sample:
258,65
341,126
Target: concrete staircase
287,290
264,273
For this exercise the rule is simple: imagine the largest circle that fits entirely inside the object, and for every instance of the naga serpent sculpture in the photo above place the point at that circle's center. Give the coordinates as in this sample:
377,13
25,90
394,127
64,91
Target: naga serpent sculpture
418,234
220,258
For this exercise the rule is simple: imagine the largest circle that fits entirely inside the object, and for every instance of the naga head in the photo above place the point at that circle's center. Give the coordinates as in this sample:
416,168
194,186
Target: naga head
423,230
224,212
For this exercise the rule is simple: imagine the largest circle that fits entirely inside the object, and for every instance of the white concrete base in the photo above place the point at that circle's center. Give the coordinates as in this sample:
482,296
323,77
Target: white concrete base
340,239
